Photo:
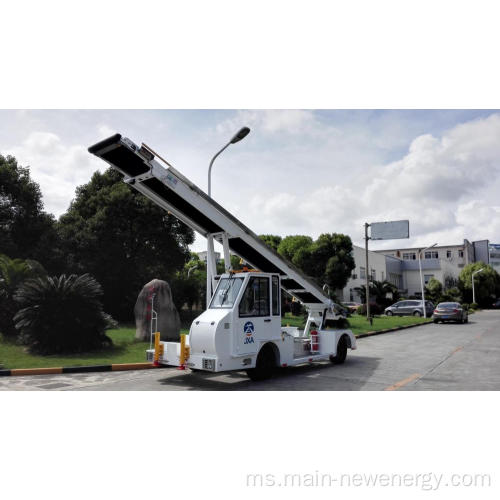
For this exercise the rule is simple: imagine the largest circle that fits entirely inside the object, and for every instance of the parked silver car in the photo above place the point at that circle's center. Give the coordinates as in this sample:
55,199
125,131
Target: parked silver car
410,308
450,311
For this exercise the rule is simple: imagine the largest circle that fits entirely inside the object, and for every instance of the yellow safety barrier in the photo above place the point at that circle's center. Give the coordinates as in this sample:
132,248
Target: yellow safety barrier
184,352
157,349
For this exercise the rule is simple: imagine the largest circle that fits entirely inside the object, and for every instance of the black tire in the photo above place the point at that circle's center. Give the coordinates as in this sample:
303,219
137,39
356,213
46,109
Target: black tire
264,365
417,314
436,321
388,313
466,319
339,358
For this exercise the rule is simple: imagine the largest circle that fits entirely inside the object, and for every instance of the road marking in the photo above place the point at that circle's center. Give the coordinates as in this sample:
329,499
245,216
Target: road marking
403,382
459,348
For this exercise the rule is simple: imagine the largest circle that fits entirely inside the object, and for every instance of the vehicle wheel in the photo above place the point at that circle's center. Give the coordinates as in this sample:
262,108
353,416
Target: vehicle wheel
466,319
339,358
388,313
436,321
264,366
417,314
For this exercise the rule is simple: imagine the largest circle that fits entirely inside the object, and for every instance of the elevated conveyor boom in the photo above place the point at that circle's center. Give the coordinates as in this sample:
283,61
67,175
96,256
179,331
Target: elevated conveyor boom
169,189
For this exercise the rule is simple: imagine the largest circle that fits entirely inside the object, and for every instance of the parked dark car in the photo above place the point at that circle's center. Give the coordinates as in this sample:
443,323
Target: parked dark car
496,305
450,311
410,308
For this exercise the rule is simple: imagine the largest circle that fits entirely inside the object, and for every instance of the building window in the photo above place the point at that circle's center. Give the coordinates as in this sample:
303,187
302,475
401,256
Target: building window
431,255
461,254
427,278
410,256
362,273
448,254
382,272
373,275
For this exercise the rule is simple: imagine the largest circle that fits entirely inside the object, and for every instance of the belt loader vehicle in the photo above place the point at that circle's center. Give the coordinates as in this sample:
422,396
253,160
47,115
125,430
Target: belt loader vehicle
241,327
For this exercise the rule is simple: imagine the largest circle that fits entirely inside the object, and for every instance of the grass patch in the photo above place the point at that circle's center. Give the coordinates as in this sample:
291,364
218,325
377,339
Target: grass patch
126,349
359,324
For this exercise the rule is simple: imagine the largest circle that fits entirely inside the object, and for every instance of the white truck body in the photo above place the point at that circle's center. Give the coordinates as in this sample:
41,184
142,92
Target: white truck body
242,324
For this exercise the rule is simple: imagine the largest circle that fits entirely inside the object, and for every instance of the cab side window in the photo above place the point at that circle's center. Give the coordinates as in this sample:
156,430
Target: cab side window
276,296
255,300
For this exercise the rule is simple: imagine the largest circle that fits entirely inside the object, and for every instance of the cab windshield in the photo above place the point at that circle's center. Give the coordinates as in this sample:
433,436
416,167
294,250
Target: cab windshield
226,293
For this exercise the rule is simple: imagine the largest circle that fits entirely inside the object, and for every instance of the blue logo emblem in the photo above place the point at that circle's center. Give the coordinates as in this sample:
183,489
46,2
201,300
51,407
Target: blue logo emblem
249,330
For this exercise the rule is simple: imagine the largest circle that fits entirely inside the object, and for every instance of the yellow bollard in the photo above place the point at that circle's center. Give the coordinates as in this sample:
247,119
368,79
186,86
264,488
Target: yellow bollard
157,349
182,354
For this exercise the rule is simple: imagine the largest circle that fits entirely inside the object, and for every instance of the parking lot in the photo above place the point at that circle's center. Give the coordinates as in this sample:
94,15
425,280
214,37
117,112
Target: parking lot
429,357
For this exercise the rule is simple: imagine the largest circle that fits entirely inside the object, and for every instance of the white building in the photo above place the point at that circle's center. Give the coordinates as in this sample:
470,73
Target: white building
203,256
401,267
495,257
378,272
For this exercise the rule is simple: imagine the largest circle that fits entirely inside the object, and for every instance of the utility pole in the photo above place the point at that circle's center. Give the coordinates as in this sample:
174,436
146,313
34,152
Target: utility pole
367,275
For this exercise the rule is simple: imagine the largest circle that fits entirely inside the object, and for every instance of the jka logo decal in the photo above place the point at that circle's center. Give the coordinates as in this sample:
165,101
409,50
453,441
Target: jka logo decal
248,329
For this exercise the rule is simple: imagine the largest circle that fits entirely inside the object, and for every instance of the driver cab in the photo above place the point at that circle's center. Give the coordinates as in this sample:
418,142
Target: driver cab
256,302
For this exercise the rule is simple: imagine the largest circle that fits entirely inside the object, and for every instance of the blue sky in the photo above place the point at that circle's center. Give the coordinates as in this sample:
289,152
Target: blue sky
299,171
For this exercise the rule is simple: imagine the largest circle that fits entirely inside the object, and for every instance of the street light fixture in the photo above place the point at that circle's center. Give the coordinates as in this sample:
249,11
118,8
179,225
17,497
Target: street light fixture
473,289
191,269
241,134
421,278
211,264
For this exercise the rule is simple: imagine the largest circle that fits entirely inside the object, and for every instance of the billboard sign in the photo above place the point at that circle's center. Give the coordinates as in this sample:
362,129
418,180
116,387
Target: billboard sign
393,230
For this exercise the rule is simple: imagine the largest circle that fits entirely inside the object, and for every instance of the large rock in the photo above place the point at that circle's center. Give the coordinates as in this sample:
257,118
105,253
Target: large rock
169,323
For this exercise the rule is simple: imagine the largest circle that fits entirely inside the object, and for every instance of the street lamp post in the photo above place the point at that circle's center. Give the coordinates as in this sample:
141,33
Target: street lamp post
421,278
241,134
211,265
191,269
473,289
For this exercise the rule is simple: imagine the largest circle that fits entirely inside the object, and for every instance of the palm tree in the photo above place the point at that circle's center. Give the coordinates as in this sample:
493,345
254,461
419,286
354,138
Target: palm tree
379,292
13,272
62,314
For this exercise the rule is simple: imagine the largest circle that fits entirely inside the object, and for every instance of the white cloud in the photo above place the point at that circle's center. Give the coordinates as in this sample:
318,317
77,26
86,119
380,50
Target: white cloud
58,167
299,171
291,121
437,185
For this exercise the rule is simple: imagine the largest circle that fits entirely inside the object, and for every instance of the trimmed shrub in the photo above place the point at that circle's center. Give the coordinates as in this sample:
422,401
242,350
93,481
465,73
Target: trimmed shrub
474,306
62,314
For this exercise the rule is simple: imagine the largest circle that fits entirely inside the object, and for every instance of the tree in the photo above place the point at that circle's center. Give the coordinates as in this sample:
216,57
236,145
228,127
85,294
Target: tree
60,315
271,240
122,239
291,245
26,231
328,259
13,272
434,290
383,293
487,283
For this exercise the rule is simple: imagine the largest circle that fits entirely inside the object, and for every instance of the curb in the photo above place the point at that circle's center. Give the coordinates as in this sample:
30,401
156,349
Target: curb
78,369
388,330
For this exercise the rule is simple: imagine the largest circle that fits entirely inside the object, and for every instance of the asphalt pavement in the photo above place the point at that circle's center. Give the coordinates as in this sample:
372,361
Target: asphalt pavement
429,357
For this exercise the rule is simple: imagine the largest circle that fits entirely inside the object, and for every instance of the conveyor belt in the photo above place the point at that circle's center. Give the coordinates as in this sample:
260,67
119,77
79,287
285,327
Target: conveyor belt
170,189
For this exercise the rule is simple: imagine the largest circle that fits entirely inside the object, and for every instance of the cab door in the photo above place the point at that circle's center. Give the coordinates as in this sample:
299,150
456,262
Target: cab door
255,321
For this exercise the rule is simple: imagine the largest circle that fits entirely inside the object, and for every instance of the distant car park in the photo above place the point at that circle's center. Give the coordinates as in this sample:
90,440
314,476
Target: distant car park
450,311
410,308
352,306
